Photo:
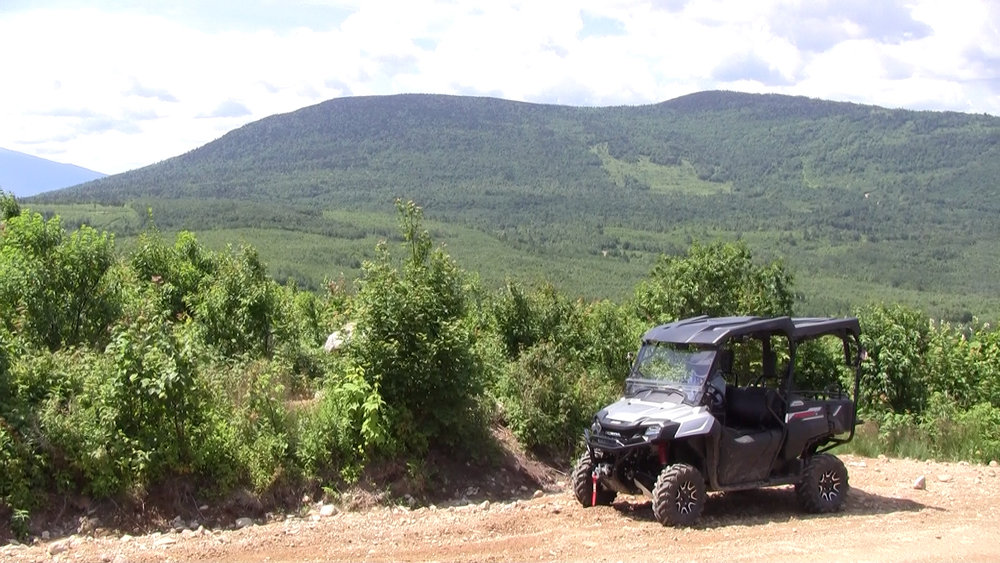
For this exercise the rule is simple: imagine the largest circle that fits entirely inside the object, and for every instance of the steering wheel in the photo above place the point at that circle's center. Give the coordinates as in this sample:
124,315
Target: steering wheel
716,398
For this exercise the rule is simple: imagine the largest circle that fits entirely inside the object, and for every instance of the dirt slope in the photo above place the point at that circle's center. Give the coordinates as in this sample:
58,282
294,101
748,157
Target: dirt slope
886,519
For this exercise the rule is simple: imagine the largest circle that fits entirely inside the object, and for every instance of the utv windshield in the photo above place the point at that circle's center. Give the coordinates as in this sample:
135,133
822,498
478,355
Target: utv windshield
679,370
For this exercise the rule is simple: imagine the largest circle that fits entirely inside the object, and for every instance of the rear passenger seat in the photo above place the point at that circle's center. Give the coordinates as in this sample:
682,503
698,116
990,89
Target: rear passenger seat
750,407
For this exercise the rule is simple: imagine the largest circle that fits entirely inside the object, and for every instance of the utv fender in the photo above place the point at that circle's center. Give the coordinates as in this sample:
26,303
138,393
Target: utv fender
698,424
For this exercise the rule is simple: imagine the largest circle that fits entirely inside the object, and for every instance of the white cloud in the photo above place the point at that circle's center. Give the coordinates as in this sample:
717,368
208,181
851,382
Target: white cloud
111,88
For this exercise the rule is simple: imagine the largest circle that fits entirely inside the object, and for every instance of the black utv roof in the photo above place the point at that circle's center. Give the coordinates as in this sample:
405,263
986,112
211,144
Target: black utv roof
713,330
811,327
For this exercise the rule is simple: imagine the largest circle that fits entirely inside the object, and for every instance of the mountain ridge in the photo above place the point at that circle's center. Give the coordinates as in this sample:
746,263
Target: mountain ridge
26,175
902,200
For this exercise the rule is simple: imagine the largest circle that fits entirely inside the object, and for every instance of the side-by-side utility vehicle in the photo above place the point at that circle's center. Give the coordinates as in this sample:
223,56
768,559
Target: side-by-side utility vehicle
725,404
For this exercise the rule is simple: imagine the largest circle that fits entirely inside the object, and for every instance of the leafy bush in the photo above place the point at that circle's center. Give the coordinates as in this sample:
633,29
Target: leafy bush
525,319
717,280
985,356
415,342
18,486
52,288
9,207
237,305
548,399
895,378
610,334
341,430
178,270
247,435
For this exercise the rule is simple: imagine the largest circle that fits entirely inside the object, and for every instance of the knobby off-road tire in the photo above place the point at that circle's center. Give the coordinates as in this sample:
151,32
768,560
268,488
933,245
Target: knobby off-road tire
824,484
583,484
679,495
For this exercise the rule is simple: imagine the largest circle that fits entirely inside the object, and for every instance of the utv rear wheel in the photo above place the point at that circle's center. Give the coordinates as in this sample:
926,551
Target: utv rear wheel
824,484
583,483
679,495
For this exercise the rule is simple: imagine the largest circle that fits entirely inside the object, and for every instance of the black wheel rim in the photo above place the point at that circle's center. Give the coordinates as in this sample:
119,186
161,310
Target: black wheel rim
687,497
829,486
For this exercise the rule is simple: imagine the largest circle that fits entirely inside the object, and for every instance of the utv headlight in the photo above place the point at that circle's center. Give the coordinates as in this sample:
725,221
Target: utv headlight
661,431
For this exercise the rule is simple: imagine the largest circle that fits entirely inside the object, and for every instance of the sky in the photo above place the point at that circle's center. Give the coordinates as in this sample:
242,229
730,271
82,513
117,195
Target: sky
114,85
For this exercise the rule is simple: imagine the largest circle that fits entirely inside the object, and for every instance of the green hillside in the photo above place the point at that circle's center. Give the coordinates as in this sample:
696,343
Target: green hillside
863,203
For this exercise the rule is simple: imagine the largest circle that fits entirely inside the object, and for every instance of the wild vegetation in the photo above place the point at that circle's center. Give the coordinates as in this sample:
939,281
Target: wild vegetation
861,203
123,368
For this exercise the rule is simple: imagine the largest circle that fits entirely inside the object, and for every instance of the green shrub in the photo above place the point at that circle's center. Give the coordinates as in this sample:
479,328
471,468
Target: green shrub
75,416
8,206
52,285
984,355
260,426
610,333
524,319
339,431
895,377
20,469
718,279
237,305
415,342
549,399
178,270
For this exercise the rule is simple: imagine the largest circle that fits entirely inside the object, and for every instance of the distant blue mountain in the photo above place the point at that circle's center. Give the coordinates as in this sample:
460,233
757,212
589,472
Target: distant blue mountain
24,175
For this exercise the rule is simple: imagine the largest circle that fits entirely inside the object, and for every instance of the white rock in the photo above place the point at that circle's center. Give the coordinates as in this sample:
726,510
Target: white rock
59,547
538,494
328,510
485,505
993,463
945,478
164,541
338,338
243,522
921,483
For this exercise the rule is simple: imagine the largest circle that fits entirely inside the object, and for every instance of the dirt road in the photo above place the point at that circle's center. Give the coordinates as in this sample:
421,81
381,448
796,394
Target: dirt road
886,519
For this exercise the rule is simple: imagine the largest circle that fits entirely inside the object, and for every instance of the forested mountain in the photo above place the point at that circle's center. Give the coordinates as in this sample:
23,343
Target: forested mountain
25,175
864,203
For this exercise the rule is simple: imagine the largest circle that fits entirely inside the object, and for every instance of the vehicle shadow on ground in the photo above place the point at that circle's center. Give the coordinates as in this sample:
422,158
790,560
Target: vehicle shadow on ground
765,506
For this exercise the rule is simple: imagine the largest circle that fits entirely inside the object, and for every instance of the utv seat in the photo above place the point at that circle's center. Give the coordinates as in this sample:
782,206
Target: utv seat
751,407
752,435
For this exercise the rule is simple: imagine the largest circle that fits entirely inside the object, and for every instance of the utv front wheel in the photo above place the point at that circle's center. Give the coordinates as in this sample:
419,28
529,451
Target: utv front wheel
824,484
583,484
679,495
